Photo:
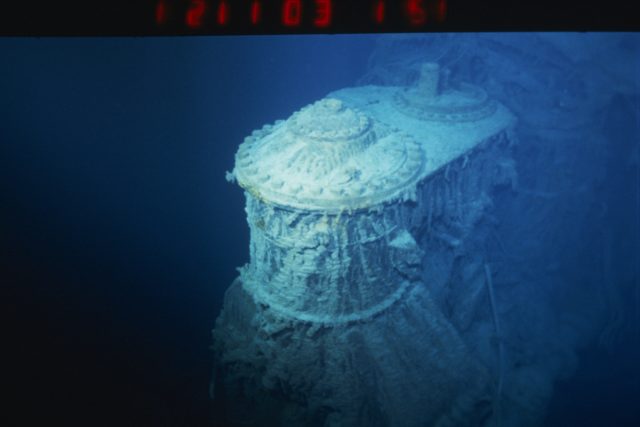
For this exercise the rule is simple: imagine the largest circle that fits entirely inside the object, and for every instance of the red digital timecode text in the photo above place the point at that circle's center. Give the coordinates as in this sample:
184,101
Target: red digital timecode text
415,12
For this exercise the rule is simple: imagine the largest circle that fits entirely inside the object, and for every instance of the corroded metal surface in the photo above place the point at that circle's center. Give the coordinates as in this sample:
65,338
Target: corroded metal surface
335,314
331,158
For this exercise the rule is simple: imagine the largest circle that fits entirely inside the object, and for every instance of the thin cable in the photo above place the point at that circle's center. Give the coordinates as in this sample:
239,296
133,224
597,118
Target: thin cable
496,325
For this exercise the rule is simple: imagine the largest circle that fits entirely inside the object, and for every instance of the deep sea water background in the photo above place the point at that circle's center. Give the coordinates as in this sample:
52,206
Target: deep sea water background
120,234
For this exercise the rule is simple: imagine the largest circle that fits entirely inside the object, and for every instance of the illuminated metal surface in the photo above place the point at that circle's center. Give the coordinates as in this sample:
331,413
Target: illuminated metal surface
354,204
329,157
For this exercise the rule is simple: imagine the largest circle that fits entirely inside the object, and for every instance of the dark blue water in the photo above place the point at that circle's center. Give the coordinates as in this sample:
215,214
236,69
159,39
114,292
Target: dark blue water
120,234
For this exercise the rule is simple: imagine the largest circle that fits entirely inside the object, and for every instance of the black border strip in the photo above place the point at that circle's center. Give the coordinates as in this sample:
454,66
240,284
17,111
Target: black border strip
138,17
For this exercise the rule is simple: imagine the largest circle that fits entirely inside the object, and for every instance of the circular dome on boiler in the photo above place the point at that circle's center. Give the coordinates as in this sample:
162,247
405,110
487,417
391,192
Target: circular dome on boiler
329,157
433,99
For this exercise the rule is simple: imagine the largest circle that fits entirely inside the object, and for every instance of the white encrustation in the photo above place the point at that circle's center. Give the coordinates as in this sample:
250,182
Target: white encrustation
336,320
